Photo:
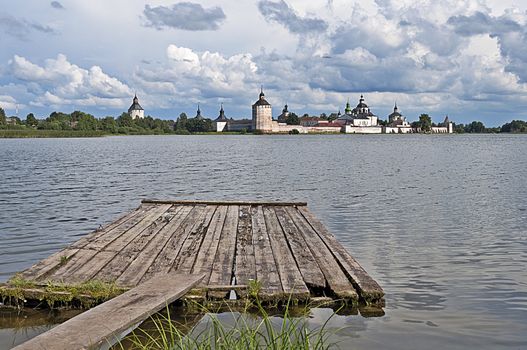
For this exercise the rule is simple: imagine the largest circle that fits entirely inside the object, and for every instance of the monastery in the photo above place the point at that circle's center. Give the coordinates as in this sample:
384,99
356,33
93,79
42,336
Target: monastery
359,120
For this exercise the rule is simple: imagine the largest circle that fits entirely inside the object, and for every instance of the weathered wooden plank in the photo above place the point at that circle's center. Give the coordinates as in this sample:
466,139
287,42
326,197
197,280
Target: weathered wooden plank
338,282
117,243
93,258
129,219
255,202
366,286
266,269
136,269
165,259
207,252
43,268
121,260
103,324
245,263
190,247
305,260
222,268
290,276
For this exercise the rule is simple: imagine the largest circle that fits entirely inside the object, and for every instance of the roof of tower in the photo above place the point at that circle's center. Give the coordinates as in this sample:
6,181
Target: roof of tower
135,105
395,112
362,104
198,114
222,115
261,100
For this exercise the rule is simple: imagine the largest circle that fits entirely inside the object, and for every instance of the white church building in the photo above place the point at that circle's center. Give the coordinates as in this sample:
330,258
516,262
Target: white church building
136,111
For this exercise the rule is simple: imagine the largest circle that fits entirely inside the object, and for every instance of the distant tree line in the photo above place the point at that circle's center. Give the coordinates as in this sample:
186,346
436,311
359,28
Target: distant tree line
477,127
124,124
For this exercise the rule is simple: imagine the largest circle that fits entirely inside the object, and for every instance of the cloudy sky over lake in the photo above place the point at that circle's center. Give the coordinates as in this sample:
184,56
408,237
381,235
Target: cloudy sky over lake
464,58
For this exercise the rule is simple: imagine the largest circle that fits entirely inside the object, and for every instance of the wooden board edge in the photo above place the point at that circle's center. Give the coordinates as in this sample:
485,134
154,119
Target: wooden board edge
225,202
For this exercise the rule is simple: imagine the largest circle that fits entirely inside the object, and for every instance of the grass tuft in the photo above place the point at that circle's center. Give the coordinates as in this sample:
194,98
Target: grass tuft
246,330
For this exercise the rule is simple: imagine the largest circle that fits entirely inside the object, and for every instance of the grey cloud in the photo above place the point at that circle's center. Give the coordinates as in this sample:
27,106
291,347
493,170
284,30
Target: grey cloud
280,12
511,37
184,15
481,23
57,5
21,28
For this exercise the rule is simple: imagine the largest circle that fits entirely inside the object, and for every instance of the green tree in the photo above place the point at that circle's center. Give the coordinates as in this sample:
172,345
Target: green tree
31,120
292,119
108,124
516,126
125,120
459,128
425,122
199,125
181,123
83,121
2,116
475,127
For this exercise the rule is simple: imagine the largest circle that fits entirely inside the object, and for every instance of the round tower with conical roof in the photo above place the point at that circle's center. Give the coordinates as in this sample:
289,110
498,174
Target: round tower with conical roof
262,114
136,111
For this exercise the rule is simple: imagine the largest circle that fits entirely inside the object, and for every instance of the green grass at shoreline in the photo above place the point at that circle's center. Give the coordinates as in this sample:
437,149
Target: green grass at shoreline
33,133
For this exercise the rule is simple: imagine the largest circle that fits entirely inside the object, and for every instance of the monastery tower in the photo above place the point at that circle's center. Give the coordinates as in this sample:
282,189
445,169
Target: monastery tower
262,115
135,110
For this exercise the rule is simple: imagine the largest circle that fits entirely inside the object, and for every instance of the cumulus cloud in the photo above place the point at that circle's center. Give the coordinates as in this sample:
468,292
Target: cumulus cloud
63,82
184,15
7,102
57,5
482,23
280,12
22,28
199,75
510,33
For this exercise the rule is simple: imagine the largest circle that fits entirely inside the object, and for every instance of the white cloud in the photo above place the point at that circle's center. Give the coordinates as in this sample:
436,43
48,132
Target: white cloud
65,83
7,103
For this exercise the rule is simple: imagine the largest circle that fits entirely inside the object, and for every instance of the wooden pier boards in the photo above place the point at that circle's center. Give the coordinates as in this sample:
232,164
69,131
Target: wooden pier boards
281,245
105,324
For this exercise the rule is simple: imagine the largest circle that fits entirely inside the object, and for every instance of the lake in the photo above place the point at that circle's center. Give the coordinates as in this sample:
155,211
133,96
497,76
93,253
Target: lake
440,221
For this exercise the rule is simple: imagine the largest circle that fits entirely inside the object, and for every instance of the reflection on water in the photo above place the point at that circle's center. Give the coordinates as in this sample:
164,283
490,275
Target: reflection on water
439,221
16,326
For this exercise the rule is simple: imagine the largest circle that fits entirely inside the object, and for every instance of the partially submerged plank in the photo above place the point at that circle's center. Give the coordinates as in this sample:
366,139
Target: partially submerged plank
266,269
245,264
104,324
307,264
368,289
292,282
337,280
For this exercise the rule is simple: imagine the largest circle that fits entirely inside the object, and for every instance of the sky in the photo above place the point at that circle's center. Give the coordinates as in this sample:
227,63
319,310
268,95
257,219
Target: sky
463,58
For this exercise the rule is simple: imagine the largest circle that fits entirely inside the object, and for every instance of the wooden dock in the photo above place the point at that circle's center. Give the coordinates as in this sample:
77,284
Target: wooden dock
283,246
105,324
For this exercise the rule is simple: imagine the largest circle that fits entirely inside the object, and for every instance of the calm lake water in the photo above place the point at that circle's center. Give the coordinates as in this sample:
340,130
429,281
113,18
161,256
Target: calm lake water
440,221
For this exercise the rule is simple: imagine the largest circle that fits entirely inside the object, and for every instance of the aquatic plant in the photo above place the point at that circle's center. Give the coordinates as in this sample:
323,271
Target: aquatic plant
249,330
56,294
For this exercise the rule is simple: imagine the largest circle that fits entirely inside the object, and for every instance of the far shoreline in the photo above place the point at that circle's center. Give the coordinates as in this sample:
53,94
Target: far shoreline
39,134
